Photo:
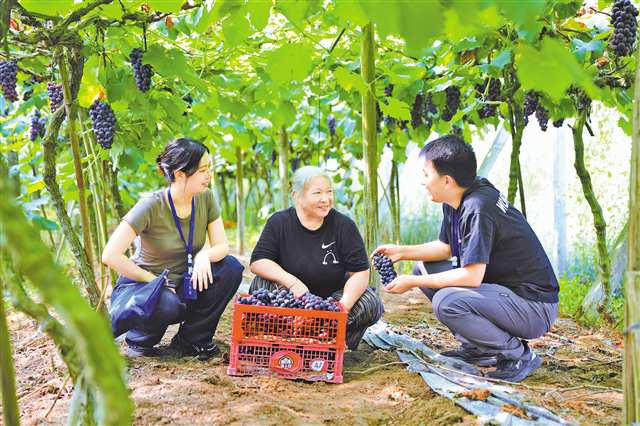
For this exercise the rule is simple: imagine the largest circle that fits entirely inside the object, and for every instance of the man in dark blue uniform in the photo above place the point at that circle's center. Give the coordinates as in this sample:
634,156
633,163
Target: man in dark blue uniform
487,276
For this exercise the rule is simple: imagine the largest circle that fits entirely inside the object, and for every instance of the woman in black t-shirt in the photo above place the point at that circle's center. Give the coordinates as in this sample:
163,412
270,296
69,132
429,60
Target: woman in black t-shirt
313,248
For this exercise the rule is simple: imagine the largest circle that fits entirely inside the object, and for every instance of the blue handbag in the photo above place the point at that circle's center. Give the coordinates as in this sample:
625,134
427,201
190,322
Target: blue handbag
133,302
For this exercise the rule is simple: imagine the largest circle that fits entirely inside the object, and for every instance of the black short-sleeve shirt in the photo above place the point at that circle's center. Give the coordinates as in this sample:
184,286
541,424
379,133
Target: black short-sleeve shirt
319,258
493,232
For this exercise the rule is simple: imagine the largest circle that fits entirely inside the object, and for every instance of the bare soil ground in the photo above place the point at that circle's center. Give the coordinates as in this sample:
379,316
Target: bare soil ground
376,389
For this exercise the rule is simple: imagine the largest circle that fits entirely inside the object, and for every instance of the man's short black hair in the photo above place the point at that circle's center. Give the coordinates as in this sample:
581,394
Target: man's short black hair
450,155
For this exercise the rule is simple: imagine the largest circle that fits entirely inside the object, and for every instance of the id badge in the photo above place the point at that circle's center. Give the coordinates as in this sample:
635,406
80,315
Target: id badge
190,293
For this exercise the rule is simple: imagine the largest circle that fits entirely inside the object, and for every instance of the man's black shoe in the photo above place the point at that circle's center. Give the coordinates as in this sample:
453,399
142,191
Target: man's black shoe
472,356
135,351
516,370
203,351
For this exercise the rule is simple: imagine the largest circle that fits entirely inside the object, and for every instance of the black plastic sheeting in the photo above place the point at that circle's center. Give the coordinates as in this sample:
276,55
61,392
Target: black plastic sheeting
450,378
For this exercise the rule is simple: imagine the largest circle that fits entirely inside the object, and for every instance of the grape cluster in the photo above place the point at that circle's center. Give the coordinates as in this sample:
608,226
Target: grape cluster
141,72
389,121
8,79
530,104
385,268
283,298
37,126
331,125
54,90
542,115
429,110
388,90
623,20
417,111
558,123
489,110
103,122
583,102
452,103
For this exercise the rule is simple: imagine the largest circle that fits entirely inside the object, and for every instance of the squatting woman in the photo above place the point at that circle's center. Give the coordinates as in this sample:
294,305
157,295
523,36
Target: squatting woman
174,224
311,247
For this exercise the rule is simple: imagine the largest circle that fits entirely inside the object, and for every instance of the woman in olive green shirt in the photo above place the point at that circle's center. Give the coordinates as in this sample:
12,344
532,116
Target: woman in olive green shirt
163,221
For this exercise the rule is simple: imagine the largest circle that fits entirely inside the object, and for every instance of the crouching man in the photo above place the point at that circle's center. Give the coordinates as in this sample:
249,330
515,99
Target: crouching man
487,276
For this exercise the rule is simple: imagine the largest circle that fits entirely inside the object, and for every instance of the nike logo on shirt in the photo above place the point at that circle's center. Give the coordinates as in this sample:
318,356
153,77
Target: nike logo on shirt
328,245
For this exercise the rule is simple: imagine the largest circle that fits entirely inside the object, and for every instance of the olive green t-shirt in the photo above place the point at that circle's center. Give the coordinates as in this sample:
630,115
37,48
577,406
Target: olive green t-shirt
160,244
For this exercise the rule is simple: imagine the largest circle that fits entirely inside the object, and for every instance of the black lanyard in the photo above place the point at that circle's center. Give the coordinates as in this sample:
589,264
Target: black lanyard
455,236
188,246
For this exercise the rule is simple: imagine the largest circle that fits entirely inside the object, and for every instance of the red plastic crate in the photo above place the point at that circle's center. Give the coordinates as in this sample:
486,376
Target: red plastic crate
287,343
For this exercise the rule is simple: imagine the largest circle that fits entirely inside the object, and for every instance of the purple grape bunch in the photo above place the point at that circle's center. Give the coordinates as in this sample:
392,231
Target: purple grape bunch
385,268
452,102
417,113
103,123
8,79
492,94
530,104
331,125
37,126
141,72
542,115
625,26
429,110
56,98
283,298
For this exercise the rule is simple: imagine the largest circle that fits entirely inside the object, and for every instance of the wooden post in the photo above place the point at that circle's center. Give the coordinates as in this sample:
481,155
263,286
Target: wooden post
369,133
631,366
239,201
283,165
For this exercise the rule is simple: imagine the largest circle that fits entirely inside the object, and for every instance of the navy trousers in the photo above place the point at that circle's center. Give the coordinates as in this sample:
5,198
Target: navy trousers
491,317
198,318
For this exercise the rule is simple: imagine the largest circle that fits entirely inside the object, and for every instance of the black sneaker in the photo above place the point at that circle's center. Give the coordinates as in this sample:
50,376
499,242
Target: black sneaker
472,356
516,370
136,351
203,351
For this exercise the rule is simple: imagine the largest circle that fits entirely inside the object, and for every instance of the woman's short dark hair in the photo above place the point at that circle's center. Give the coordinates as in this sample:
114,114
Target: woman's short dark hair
182,154
451,155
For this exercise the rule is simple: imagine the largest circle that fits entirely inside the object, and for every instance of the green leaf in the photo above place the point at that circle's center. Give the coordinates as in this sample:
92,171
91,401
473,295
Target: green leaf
552,69
415,29
90,86
285,114
259,11
396,109
236,29
212,11
165,5
288,63
116,151
48,7
351,12
581,48
504,58
44,223
521,12
35,186
460,24
405,74
297,10
349,80
169,63
232,106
